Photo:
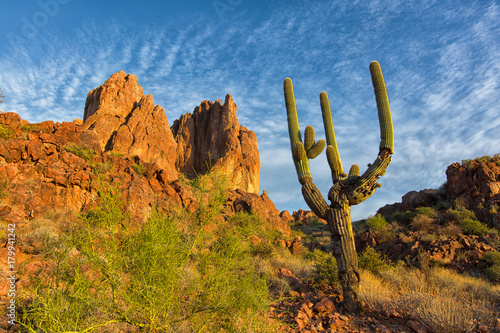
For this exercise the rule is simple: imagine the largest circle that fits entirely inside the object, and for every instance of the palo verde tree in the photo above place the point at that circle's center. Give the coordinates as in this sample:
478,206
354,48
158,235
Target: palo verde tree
347,190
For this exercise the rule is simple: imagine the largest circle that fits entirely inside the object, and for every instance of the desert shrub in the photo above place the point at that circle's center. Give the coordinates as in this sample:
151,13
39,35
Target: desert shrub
423,223
109,208
474,227
6,132
377,222
85,153
139,168
493,259
372,261
401,217
326,270
102,168
30,128
156,278
427,211
460,213
263,249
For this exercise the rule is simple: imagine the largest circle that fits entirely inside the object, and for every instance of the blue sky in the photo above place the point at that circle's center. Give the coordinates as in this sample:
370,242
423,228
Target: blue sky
440,61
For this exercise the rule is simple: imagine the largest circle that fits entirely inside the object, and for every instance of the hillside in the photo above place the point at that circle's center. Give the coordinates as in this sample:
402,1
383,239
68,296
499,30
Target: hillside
122,223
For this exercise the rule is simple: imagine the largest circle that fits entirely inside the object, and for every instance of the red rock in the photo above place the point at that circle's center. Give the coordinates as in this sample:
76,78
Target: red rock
211,139
324,306
126,121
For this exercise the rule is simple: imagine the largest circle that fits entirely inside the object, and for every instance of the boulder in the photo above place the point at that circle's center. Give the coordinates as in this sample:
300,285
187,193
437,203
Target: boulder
212,138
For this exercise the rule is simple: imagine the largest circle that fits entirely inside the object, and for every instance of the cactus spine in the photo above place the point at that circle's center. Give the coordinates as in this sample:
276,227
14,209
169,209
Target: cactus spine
345,192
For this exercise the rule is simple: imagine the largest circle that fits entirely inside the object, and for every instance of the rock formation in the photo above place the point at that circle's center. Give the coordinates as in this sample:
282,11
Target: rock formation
127,121
57,166
211,137
475,182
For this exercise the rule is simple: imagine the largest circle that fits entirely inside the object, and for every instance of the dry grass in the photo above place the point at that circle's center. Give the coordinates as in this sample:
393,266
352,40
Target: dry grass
441,299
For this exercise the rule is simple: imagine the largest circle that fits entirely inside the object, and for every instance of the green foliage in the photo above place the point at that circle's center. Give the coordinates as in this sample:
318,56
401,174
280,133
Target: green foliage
467,220
427,211
371,260
493,271
109,209
85,153
264,250
474,227
156,278
102,168
6,132
139,168
116,154
492,257
30,128
377,222
326,270
402,217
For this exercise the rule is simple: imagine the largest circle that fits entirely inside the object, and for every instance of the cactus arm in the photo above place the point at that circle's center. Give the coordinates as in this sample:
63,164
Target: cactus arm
383,107
300,160
316,149
332,151
354,171
308,137
363,187
301,153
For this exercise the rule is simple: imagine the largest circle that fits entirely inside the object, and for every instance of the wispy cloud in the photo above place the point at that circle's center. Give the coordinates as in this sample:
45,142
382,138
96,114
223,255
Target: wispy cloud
440,63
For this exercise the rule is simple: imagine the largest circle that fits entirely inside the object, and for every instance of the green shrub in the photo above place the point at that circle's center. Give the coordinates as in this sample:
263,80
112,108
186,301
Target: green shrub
493,273
6,132
85,153
377,222
326,270
474,227
155,278
427,211
371,260
139,168
30,128
492,257
460,213
402,217
109,208
263,249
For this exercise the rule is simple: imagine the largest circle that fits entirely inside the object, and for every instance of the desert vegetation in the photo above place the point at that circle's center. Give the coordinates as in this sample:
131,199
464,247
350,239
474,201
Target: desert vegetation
206,271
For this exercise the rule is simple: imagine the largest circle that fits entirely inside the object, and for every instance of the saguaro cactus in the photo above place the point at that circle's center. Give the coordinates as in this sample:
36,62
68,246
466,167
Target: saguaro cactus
347,190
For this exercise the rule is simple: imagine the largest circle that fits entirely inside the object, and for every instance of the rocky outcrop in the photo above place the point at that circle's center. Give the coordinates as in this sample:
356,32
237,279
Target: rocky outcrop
212,138
127,121
58,166
475,182
241,201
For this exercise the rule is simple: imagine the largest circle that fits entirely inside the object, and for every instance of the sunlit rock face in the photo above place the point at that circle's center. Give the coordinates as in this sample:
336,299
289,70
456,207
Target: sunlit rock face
212,138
